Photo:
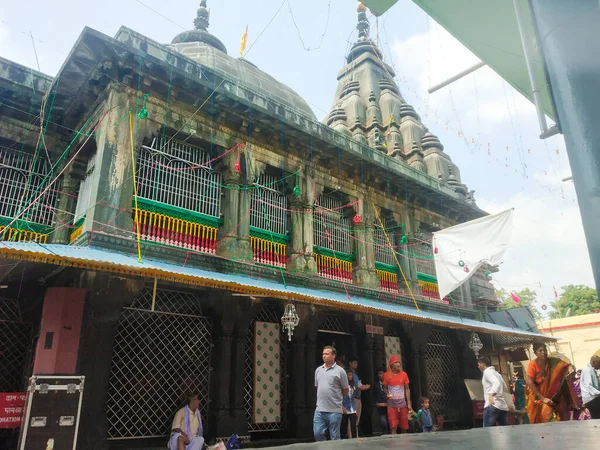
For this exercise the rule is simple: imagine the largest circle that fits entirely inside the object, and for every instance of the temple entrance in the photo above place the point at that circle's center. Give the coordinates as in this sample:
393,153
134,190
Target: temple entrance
335,331
161,352
442,375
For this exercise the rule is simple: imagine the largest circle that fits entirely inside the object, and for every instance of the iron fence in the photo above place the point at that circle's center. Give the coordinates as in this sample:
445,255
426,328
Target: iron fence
160,354
442,375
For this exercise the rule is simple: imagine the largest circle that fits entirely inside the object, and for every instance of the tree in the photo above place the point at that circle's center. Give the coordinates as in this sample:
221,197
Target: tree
527,296
576,300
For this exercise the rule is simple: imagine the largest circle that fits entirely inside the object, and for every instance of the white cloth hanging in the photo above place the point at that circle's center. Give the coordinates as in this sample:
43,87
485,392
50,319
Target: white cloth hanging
459,251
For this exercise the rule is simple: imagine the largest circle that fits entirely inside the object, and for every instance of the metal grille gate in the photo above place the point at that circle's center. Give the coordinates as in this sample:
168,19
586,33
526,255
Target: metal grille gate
442,375
266,314
15,344
160,354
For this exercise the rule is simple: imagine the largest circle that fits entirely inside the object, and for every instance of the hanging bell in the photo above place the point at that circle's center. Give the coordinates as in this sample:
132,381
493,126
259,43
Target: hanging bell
403,240
237,167
296,191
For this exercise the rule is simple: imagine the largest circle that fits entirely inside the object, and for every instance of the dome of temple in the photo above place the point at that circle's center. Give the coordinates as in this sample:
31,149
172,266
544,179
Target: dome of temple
204,48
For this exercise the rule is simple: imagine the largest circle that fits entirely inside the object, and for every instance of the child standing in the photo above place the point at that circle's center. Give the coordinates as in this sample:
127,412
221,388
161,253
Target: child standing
349,408
424,415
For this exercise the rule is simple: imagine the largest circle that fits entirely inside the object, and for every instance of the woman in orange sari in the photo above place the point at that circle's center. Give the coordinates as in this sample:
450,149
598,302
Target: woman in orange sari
551,394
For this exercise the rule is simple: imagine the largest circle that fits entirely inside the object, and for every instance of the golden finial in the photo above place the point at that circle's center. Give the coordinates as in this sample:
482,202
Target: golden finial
361,8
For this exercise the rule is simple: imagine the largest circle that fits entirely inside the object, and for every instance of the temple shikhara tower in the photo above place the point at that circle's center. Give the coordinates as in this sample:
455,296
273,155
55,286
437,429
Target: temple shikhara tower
163,205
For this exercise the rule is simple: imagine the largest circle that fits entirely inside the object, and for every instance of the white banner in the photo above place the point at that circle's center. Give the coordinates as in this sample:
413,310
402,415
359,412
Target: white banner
459,251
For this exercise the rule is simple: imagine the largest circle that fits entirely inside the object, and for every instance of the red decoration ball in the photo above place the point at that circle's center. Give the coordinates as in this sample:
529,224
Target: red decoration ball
466,269
435,250
237,167
357,219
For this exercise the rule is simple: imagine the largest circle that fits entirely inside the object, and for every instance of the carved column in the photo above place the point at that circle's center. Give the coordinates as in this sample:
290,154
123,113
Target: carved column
227,246
312,191
107,295
66,207
297,261
238,368
368,376
300,419
111,187
419,336
244,250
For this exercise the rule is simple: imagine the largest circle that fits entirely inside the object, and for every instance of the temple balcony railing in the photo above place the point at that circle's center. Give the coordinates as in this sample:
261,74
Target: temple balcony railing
169,225
388,277
268,248
334,265
23,231
428,285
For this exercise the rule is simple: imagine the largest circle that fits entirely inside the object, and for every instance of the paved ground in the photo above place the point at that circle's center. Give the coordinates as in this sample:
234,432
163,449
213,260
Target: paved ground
563,436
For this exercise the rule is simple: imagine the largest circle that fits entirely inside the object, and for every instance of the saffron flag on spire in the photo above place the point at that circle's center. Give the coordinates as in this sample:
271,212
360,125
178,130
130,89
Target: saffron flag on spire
464,248
244,42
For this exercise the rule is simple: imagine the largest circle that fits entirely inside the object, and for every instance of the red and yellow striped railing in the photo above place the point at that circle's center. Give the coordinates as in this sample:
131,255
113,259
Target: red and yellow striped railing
177,232
387,281
334,268
429,289
14,235
268,252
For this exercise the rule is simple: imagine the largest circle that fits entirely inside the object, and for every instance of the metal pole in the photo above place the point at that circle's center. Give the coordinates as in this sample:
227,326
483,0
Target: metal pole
537,99
456,77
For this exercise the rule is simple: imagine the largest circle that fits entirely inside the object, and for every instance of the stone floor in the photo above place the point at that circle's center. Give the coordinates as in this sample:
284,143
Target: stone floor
563,436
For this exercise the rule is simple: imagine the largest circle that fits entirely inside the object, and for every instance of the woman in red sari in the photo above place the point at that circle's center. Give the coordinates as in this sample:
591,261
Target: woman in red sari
551,394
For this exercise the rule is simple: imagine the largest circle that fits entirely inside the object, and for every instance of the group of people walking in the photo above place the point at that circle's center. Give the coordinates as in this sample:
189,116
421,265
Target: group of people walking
554,394
551,392
339,405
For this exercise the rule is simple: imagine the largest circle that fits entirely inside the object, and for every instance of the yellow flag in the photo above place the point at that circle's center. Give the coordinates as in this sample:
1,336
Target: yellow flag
244,42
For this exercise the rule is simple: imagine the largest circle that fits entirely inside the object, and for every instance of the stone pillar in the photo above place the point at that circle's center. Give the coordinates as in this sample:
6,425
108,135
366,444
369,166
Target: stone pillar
362,277
112,184
312,191
227,246
238,368
244,250
368,376
232,318
299,412
301,241
311,352
419,336
65,207
106,297
220,406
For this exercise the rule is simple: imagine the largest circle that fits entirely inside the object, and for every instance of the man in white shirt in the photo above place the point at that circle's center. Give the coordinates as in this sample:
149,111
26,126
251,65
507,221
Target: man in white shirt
495,409
590,387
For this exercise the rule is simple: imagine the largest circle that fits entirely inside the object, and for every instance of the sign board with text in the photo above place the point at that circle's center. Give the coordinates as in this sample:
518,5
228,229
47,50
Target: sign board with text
11,409
371,329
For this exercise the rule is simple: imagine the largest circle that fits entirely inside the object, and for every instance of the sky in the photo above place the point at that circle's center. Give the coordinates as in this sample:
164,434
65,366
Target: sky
487,128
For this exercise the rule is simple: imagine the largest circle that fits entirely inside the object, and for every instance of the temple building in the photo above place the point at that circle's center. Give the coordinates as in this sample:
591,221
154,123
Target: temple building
163,205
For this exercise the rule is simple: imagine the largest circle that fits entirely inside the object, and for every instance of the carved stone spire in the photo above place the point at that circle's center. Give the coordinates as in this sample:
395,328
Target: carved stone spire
200,33
201,22
363,23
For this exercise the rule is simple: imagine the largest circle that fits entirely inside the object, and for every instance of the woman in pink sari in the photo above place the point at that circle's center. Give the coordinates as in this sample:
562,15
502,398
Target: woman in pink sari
186,432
